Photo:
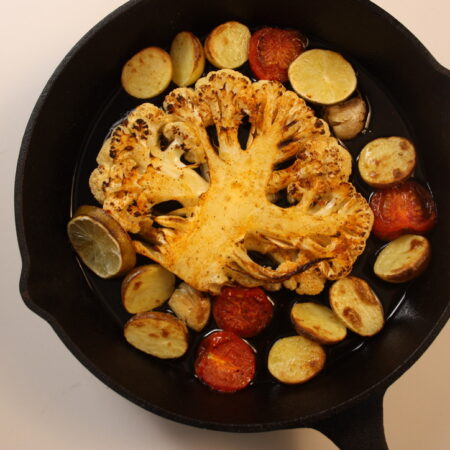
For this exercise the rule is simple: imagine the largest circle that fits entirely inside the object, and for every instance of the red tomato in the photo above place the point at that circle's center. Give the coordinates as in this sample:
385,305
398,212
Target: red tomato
407,207
225,362
272,50
244,311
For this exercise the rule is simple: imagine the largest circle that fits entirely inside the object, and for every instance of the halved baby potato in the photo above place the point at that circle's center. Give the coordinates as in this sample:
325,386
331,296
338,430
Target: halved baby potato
148,73
226,47
147,287
387,161
403,259
188,58
295,359
317,322
190,305
322,76
354,302
158,334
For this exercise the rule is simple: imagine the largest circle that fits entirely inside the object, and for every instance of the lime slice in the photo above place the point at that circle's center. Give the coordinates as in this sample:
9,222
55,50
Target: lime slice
101,243
322,76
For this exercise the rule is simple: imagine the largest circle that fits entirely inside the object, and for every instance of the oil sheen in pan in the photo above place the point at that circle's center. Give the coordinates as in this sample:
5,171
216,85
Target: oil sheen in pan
385,120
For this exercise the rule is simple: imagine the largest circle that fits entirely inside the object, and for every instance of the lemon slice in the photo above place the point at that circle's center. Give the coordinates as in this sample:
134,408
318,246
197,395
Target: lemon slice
322,76
101,242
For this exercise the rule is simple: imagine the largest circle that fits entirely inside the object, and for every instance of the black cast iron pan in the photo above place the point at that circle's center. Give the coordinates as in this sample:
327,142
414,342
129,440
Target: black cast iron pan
409,94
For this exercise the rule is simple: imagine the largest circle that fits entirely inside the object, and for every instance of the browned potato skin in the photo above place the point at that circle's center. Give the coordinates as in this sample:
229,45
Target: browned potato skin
319,335
412,271
139,320
316,361
127,290
347,118
350,316
213,51
397,176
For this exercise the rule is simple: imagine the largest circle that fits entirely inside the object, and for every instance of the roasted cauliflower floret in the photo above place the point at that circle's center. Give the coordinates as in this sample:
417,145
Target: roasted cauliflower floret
228,196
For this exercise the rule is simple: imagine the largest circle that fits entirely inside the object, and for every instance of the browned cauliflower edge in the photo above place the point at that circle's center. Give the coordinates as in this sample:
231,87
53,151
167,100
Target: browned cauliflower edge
227,196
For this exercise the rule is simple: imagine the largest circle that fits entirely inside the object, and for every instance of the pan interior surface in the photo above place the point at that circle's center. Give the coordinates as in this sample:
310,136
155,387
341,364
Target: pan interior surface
84,100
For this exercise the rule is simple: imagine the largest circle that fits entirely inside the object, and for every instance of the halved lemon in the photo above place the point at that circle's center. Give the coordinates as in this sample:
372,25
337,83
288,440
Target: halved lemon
101,243
322,76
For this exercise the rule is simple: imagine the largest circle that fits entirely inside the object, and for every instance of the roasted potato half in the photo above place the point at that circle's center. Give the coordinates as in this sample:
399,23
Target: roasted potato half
387,161
147,287
190,305
295,359
147,73
403,259
158,334
188,58
226,47
347,119
317,322
354,302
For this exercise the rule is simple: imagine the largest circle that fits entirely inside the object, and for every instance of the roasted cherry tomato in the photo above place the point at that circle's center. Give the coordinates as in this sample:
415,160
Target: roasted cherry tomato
244,311
272,50
407,207
225,362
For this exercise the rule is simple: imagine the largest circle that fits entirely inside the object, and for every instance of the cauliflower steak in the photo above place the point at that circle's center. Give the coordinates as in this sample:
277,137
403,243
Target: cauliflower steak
284,195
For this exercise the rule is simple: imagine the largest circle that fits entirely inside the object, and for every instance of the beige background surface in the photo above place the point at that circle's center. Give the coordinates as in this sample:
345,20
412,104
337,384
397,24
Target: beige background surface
48,399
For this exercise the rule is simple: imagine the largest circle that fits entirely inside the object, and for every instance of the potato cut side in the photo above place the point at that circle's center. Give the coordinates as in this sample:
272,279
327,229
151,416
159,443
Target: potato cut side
100,242
147,287
147,73
295,359
190,305
354,302
158,334
387,161
317,322
226,47
403,259
188,58
322,76
348,118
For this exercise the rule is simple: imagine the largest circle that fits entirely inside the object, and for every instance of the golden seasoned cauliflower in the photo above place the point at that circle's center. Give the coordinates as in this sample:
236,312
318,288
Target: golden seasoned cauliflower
227,195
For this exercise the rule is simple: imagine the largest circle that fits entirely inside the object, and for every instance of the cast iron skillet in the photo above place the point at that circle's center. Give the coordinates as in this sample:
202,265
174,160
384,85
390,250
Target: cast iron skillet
345,401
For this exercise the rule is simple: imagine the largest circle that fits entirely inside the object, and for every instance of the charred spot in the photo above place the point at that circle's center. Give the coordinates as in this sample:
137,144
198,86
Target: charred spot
290,124
415,243
212,77
113,153
170,108
318,123
129,148
285,142
105,184
352,316
137,285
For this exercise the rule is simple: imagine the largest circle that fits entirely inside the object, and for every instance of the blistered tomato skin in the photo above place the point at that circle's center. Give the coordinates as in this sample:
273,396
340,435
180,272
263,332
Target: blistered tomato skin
404,208
272,50
225,362
244,311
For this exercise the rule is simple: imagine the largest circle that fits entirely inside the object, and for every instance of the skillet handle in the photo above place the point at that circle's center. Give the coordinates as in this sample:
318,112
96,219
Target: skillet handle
359,427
